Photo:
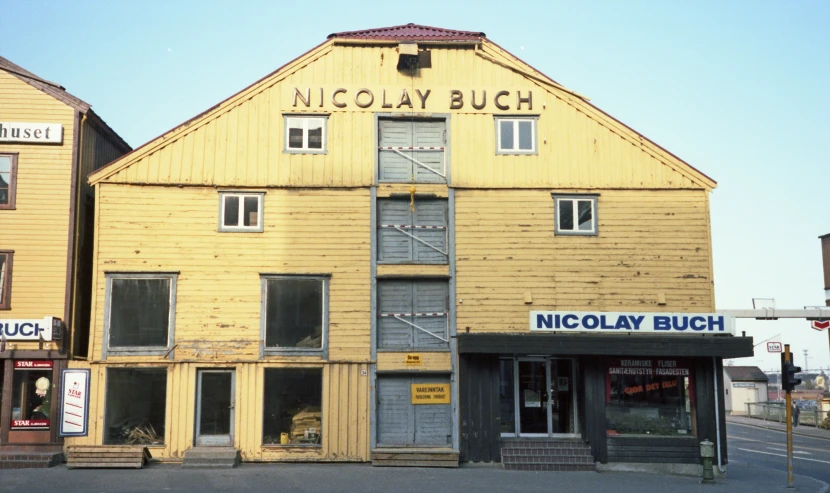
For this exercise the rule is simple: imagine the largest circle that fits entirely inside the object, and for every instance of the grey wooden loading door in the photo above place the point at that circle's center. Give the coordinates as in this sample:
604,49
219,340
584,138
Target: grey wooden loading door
412,150
402,424
413,314
417,237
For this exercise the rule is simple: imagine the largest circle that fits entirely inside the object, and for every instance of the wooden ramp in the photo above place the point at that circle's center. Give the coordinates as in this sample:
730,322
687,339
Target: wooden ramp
415,457
104,456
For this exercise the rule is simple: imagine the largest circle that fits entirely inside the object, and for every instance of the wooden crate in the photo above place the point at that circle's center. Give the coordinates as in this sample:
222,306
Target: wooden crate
415,457
103,456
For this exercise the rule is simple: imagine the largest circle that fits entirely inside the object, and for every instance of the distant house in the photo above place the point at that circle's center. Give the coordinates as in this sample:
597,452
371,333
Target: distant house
743,384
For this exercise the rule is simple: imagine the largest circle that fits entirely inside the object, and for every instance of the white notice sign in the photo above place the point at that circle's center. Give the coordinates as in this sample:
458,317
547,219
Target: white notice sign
35,133
74,402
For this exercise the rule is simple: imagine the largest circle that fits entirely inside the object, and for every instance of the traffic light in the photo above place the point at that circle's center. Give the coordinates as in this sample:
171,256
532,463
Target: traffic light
788,371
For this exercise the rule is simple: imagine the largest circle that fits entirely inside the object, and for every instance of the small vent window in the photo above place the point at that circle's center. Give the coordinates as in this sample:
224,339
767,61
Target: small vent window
305,134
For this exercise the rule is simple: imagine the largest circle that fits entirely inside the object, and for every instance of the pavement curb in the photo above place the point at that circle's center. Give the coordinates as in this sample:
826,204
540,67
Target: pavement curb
775,429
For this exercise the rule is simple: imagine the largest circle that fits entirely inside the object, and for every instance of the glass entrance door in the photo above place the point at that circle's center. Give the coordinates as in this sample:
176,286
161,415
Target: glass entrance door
215,406
533,398
538,397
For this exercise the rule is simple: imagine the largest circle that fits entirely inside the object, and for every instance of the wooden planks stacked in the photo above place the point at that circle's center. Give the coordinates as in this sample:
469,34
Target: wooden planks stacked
102,456
415,457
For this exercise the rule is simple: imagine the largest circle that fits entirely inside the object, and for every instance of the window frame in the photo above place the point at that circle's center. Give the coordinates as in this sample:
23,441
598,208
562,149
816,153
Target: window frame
278,369
166,350
12,181
266,350
305,117
6,287
592,198
259,228
139,367
534,136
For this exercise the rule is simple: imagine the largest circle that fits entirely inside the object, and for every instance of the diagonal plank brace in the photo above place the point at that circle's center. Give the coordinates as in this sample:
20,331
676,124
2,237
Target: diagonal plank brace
421,329
419,163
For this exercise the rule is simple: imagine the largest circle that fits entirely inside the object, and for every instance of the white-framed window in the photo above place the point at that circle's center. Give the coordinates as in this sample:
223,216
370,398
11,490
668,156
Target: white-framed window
305,134
294,313
516,135
139,312
240,211
575,214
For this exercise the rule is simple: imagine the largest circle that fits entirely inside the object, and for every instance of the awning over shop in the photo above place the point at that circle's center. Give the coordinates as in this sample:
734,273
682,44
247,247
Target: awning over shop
605,345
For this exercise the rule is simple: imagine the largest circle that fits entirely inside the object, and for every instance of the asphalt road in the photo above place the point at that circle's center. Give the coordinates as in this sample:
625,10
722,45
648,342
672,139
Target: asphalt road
768,448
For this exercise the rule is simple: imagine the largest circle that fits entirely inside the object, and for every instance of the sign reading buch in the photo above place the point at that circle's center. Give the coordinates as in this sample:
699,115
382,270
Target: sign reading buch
647,322
74,402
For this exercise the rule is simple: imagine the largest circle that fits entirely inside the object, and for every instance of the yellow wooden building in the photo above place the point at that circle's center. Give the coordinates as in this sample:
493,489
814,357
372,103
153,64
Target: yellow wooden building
49,142
340,262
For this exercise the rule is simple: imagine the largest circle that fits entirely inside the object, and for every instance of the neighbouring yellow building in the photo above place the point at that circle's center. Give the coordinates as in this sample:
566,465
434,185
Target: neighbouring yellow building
406,246
49,142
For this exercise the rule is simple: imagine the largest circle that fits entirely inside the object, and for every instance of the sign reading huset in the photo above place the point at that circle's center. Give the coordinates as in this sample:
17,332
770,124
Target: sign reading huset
611,322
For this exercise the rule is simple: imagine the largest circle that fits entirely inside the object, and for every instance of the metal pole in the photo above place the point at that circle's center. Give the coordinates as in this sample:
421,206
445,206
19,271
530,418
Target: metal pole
789,415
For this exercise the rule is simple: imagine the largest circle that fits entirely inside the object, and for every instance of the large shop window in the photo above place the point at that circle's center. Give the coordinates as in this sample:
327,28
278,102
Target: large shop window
136,402
305,134
240,212
5,279
8,180
31,395
295,313
576,214
292,407
648,396
140,312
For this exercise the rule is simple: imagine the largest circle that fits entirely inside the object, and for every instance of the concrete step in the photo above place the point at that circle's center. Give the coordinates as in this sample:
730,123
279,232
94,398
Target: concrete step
415,457
551,467
542,459
211,457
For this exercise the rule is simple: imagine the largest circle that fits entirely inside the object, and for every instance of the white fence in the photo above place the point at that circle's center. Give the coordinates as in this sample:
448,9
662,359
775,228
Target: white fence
777,412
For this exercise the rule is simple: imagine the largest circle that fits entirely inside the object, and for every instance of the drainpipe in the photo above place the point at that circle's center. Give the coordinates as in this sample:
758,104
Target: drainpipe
717,415
825,254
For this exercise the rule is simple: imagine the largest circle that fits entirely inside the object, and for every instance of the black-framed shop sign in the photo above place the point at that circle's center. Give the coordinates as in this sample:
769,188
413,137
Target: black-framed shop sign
74,416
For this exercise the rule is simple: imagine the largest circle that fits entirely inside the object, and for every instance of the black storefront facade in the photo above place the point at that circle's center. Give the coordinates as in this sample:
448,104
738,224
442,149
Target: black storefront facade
630,398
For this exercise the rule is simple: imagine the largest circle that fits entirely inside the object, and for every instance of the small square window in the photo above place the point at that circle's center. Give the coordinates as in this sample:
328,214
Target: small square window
516,136
576,214
241,212
5,279
140,312
8,180
294,313
305,134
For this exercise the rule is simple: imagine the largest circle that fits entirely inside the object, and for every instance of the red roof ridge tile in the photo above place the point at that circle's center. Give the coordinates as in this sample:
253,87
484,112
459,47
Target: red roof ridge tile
410,32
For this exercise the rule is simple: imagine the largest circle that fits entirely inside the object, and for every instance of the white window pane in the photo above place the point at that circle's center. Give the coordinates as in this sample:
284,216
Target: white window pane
5,164
566,215
315,137
231,211
526,135
585,215
250,217
506,131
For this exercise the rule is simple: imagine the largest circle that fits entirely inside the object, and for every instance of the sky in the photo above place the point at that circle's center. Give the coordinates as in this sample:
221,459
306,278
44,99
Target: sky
740,90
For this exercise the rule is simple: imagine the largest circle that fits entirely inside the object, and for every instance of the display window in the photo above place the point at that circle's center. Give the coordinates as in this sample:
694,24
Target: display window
31,395
292,407
136,402
650,396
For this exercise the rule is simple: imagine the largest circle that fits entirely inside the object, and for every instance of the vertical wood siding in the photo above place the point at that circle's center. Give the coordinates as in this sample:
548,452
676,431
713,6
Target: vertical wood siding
164,229
345,400
240,143
37,230
649,242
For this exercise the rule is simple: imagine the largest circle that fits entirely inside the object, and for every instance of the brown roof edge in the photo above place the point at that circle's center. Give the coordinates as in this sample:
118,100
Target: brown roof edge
409,31
116,139
52,89
825,236
102,169
611,117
